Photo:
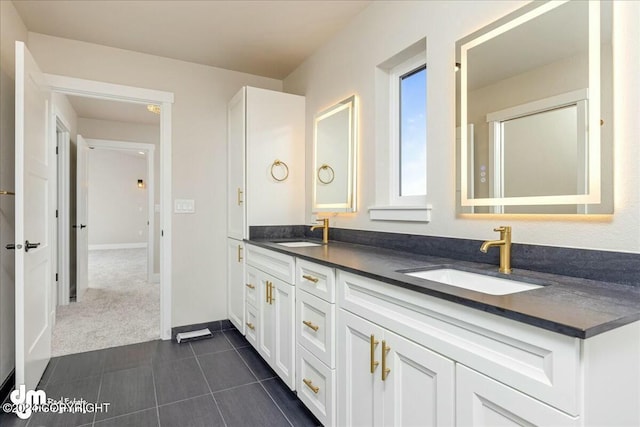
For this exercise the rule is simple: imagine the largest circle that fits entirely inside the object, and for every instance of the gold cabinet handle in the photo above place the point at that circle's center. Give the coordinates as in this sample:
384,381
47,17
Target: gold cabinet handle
271,299
311,325
267,289
239,253
374,343
250,286
310,278
309,384
240,192
250,326
385,370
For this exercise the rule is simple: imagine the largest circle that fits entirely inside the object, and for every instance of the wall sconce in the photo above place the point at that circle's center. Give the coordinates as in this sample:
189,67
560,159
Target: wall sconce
140,183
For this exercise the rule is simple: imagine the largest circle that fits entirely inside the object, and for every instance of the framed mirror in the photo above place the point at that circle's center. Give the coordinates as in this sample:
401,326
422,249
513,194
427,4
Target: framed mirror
334,159
535,111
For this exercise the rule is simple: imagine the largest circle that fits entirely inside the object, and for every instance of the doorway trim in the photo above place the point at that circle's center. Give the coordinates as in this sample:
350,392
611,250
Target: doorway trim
149,150
62,131
116,92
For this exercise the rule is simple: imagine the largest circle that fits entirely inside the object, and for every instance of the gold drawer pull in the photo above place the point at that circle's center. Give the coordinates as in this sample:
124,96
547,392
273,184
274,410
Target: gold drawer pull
311,325
240,196
310,278
250,286
309,384
250,326
373,343
385,370
240,248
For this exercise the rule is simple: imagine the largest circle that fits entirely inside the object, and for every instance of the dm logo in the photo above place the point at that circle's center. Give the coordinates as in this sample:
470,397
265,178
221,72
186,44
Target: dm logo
25,401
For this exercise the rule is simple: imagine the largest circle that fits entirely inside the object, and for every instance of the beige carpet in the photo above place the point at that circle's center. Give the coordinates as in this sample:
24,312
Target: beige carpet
119,307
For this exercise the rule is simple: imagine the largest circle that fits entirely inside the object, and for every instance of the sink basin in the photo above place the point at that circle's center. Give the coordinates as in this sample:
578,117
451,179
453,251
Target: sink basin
300,244
474,281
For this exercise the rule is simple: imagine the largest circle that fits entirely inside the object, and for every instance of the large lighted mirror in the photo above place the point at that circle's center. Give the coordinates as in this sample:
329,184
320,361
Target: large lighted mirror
334,170
535,111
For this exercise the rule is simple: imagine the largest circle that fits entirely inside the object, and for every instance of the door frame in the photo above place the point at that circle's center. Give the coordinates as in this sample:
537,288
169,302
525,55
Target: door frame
62,131
149,150
115,92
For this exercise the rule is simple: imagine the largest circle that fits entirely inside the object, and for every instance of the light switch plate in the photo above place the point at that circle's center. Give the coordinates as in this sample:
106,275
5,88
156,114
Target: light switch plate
182,206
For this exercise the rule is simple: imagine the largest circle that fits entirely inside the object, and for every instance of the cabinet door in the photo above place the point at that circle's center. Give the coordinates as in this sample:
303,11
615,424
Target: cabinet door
283,309
266,331
236,211
359,389
482,401
235,283
416,378
275,131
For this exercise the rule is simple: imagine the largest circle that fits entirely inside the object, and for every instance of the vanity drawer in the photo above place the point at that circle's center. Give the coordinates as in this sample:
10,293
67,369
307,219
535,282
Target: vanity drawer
316,386
251,285
316,326
537,362
316,279
271,262
251,319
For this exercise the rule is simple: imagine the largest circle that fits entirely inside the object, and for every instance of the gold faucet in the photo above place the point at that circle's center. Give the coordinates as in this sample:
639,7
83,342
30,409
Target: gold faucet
325,229
505,248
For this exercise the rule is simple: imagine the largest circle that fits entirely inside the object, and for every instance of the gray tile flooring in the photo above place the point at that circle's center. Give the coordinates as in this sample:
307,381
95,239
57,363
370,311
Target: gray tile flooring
220,381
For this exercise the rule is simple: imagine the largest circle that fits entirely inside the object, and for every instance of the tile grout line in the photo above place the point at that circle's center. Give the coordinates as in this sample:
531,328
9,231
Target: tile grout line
155,394
276,403
95,414
259,381
209,386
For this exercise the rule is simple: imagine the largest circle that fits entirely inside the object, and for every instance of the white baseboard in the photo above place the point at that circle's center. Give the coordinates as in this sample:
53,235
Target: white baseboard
117,246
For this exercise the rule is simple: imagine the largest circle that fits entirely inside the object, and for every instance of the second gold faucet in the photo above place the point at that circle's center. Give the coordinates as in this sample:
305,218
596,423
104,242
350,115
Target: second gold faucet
325,229
505,248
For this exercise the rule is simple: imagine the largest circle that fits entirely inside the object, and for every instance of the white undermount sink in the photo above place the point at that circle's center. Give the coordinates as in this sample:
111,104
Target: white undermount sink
474,281
299,244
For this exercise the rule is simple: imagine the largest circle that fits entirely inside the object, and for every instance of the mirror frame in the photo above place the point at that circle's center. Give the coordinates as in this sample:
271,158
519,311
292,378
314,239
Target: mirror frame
349,204
501,26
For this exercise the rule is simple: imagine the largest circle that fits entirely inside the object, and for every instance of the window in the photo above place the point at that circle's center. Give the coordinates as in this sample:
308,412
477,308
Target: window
401,137
408,85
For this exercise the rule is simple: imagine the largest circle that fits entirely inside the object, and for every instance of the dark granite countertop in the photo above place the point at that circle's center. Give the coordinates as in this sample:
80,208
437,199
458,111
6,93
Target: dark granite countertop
567,305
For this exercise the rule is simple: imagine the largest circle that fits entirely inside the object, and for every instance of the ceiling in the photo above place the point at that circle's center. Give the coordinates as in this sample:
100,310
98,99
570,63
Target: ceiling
266,38
90,108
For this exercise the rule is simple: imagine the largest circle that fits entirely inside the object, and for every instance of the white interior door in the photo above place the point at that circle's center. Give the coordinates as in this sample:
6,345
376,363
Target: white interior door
82,213
35,215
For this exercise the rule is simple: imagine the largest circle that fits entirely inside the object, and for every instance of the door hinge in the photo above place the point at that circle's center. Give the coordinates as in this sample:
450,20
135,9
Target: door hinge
56,213
162,233
56,277
56,151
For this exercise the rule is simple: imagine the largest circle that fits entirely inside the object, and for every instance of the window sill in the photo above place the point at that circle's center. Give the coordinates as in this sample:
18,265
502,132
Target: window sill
400,213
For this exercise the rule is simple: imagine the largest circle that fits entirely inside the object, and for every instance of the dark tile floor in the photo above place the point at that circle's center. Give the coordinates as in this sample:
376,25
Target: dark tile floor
220,381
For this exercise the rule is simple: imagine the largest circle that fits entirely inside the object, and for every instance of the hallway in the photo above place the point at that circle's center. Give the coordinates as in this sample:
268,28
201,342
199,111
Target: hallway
119,307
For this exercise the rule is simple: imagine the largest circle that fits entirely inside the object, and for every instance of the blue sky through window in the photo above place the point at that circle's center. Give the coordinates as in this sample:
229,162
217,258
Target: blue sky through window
413,133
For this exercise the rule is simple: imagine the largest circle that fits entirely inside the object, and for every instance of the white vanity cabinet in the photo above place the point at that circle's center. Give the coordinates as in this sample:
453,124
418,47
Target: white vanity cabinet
236,283
446,359
265,172
316,339
270,284
484,402
387,380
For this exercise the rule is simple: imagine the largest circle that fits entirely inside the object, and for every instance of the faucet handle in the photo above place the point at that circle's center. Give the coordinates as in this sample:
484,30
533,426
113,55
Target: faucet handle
503,228
323,220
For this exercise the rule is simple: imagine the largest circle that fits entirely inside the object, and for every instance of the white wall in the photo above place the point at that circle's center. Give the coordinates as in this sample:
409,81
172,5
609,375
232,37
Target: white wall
199,155
11,29
117,207
347,65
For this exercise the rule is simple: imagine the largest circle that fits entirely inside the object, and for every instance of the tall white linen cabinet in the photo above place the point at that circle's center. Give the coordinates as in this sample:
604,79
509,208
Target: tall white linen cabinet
265,178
